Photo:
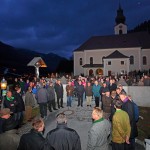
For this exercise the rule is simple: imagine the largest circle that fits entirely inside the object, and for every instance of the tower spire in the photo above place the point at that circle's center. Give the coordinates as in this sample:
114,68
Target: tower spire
120,18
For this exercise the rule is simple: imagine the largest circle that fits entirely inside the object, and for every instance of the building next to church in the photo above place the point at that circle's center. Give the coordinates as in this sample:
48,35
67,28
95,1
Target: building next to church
114,54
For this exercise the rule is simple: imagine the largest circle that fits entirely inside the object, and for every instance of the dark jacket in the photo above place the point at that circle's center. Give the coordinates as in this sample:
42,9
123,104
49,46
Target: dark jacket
88,91
42,95
106,104
63,138
129,108
59,90
80,90
69,90
112,87
51,93
31,141
10,103
20,103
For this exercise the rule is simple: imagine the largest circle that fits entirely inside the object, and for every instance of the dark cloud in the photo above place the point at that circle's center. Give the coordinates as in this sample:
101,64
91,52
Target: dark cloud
60,26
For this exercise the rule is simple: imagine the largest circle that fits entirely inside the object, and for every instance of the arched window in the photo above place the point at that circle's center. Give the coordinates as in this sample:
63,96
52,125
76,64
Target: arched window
120,31
80,62
131,60
144,60
91,60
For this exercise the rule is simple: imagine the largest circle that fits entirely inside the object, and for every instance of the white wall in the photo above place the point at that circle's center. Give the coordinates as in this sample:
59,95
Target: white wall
140,94
145,52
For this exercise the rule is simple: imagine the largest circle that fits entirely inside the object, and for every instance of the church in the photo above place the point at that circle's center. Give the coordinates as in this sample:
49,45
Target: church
113,54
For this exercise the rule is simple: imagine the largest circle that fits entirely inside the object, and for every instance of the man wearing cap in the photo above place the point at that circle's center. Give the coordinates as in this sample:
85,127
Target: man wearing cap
8,137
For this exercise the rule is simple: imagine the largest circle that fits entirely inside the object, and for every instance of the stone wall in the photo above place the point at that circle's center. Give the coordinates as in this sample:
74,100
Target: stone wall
140,94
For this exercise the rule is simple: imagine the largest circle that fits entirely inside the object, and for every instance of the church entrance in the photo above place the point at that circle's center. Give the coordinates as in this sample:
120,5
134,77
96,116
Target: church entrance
90,72
99,71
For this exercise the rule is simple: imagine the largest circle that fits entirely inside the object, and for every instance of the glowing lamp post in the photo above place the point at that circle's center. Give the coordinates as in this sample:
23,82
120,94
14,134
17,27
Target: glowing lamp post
3,88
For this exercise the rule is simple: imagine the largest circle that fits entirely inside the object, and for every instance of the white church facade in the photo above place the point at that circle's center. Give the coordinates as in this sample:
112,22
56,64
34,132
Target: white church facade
113,54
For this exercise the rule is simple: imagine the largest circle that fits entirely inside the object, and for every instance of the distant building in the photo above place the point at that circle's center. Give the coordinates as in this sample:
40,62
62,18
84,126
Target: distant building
114,54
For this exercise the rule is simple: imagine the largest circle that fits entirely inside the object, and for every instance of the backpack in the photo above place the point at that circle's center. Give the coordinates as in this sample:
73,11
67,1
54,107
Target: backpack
136,111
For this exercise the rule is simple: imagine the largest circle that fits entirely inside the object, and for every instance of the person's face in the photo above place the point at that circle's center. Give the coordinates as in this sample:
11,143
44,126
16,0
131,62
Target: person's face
94,115
122,97
96,82
80,82
58,81
9,94
104,85
107,94
89,84
118,91
69,83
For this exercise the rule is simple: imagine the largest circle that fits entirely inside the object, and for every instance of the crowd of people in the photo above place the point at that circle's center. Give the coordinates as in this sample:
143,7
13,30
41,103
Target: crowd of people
114,114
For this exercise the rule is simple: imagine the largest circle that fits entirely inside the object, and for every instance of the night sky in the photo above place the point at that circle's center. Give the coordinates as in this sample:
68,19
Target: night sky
60,26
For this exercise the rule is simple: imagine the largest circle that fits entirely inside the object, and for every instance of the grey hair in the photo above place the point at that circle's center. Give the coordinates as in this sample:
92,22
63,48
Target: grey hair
61,118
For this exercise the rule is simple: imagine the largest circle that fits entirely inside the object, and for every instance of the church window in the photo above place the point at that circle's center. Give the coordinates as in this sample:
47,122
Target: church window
131,60
120,31
91,60
109,62
81,62
144,60
122,62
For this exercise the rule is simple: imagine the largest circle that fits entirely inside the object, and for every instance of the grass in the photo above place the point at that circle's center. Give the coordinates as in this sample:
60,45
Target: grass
144,124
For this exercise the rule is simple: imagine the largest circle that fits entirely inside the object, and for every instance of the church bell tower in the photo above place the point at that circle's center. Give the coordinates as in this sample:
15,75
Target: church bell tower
120,27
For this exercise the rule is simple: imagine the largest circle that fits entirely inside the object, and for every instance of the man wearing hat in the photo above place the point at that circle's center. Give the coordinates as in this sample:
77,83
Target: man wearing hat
8,137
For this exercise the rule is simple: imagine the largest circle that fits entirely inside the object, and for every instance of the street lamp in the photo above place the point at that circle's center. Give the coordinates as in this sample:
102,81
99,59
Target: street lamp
3,88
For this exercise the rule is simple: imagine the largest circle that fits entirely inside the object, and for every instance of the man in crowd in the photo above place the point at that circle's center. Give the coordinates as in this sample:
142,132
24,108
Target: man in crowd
80,91
129,108
89,94
59,93
51,97
34,139
96,92
99,132
63,138
120,128
8,133
69,90
42,99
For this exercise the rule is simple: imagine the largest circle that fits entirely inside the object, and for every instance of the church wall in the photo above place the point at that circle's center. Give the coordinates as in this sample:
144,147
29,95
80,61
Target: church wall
78,69
116,67
145,52
137,57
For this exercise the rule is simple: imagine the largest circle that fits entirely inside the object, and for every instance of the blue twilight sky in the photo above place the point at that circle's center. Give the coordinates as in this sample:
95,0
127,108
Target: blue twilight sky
60,26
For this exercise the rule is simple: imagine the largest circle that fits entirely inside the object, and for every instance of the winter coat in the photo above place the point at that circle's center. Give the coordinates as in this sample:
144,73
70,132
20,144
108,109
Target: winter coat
31,141
51,93
59,90
112,87
10,103
69,90
129,108
42,95
29,99
98,134
80,90
88,91
9,140
96,90
20,103
63,138
106,104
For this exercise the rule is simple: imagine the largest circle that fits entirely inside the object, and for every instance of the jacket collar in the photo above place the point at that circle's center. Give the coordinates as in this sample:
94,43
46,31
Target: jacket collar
99,120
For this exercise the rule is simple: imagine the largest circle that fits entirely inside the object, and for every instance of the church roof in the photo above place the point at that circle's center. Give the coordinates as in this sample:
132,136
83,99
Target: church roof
138,39
116,54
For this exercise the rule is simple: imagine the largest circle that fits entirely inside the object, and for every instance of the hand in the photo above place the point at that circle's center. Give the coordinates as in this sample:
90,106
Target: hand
127,140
